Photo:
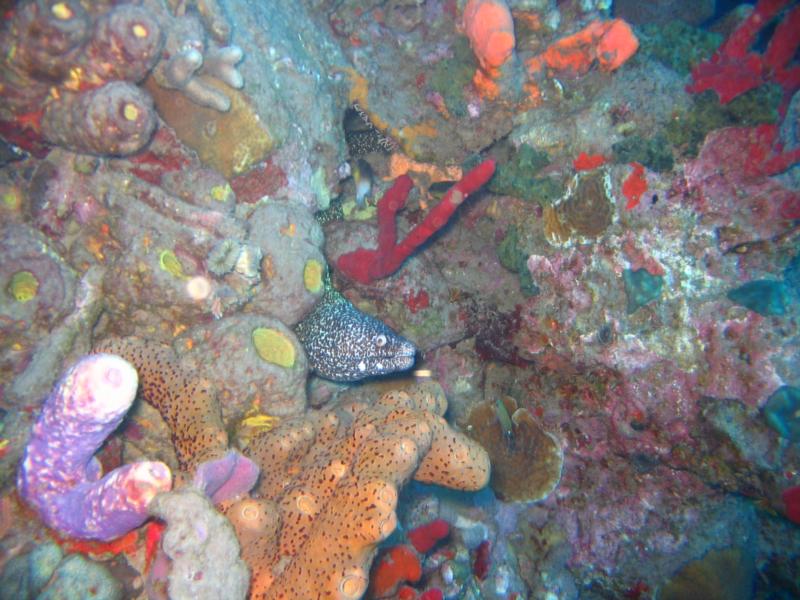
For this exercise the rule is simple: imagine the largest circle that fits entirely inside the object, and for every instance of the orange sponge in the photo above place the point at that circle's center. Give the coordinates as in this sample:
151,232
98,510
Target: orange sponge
490,29
616,45
611,43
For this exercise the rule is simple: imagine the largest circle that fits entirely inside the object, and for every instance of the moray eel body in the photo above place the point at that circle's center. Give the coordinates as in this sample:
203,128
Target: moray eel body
345,344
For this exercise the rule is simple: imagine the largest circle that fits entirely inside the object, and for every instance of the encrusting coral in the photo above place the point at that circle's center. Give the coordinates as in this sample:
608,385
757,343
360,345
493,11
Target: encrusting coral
526,459
331,489
201,546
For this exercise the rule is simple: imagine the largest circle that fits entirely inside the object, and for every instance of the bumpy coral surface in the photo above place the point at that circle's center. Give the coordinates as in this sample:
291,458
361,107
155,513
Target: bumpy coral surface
202,547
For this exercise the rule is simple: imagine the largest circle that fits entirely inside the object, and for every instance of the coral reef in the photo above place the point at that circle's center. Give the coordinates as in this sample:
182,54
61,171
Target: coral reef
256,363
92,60
330,494
40,300
70,71
59,475
629,274
289,240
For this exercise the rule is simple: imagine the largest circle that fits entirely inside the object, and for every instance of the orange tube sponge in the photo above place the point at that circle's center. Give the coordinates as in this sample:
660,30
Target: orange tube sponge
611,43
490,29
617,44
331,483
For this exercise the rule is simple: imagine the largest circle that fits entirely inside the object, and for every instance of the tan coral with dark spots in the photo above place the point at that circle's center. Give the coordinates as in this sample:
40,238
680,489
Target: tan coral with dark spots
333,479
185,401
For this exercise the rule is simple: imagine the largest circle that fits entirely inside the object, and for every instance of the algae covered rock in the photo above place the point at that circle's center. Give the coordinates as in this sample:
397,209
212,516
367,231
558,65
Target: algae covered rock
765,296
292,266
202,546
517,176
654,153
687,130
641,287
678,45
46,574
724,574
256,363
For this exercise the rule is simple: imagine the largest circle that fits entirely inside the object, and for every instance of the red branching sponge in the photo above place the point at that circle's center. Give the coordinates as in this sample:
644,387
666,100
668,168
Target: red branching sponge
791,499
366,265
733,69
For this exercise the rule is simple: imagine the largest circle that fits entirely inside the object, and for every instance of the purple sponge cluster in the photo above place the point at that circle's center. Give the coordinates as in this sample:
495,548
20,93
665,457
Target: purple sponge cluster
59,475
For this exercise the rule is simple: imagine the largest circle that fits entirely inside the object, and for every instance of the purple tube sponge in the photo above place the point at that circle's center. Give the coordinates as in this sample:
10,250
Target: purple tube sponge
59,475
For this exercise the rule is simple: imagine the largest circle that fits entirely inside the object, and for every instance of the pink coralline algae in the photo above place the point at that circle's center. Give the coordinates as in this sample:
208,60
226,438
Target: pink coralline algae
724,189
738,353
59,475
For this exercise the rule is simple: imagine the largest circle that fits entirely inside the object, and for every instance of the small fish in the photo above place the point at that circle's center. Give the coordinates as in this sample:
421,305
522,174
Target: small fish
506,423
440,188
363,178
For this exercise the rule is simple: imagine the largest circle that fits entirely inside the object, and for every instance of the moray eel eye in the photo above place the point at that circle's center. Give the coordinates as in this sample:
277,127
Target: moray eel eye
380,341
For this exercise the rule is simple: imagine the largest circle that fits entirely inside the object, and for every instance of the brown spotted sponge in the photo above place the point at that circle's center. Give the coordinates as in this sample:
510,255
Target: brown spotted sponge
185,401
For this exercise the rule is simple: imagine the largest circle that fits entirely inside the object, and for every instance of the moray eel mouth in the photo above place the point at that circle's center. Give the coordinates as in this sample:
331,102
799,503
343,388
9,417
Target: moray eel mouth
401,358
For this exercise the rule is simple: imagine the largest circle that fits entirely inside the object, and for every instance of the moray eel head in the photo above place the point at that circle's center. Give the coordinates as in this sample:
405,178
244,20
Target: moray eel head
345,344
